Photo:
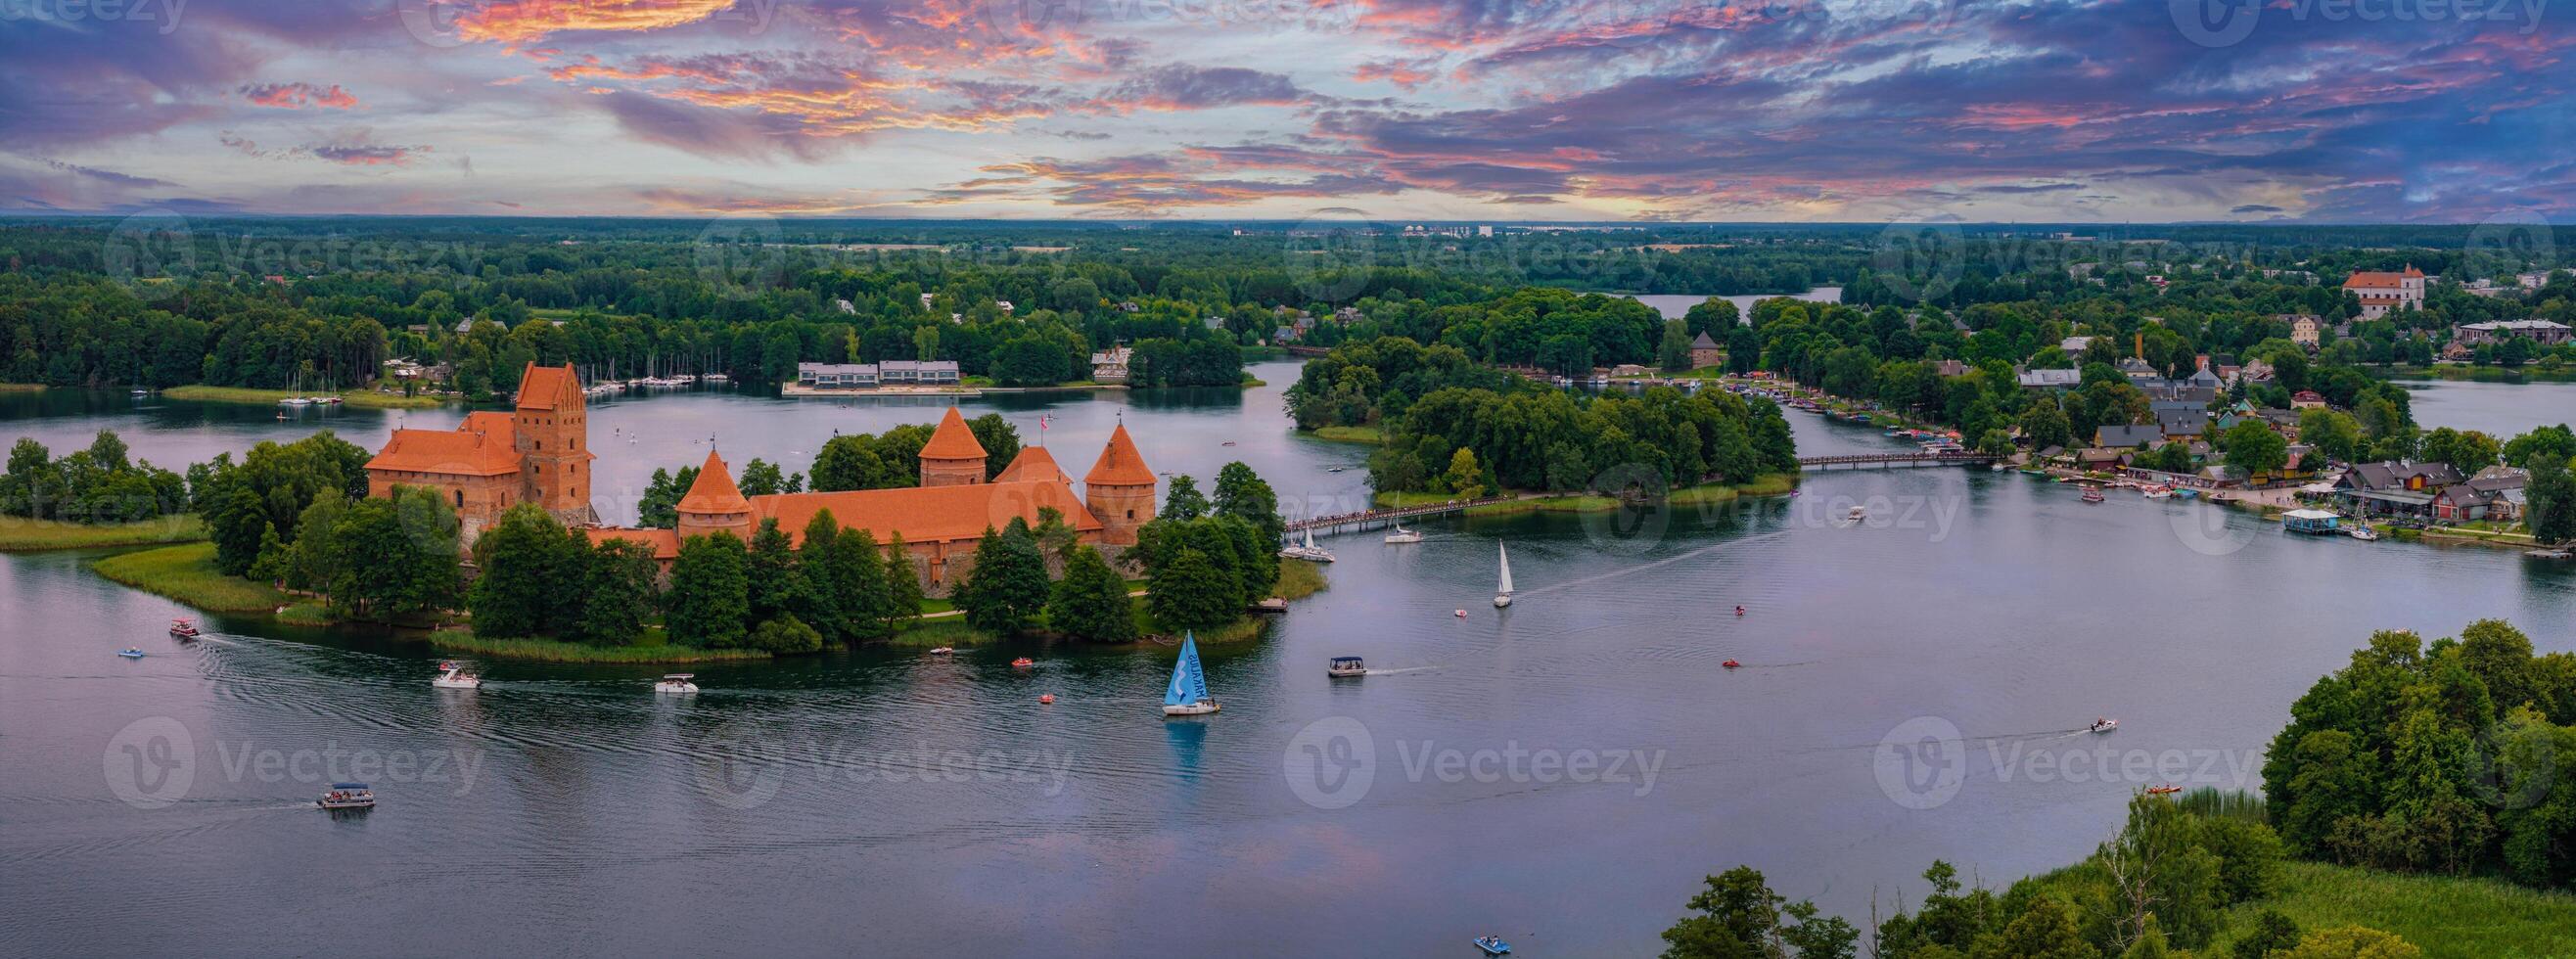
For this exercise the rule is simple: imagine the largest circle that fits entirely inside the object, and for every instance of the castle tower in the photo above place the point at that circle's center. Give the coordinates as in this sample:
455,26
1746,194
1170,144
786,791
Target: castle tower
553,440
952,457
1119,490
714,504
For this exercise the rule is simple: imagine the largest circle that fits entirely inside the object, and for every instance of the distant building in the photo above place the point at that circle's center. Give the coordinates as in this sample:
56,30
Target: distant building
2128,436
1950,369
1110,365
837,376
2543,332
537,453
2382,292
1705,353
2305,330
916,372
2051,379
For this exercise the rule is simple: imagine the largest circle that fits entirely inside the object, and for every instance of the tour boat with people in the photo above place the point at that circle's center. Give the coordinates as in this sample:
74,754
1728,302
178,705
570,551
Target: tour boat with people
1503,590
130,653
2092,494
1023,663
348,796
1188,693
1403,535
452,676
1493,945
1343,667
942,650
183,629
2103,725
677,683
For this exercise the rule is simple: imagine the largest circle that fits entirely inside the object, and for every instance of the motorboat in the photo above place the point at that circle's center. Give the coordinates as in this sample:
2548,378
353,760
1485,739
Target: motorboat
2103,726
348,796
138,391
942,650
1731,664
2156,492
1403,535
1857,514
2166,789
130,653
1187,695
183,629
1023,663
1345,666
2092,495
677,684
2363,532
1502,590
1493,945
1046,699
452,676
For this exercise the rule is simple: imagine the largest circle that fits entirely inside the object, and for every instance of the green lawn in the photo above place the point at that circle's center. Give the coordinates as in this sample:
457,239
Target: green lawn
1351,434
244,394
1399,500
655,650
187,574
2447,917
18,533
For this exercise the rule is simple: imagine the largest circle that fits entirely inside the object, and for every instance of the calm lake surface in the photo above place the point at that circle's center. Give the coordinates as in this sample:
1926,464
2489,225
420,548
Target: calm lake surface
1493,780
2501,410
1675,306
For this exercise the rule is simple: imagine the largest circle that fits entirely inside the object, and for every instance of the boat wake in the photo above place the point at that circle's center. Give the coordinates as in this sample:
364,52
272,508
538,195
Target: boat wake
1401,671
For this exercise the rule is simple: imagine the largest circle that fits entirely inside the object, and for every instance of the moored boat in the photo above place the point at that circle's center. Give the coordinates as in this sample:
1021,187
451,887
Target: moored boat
1308,551
2363,532
1188,693
130,653
1403,535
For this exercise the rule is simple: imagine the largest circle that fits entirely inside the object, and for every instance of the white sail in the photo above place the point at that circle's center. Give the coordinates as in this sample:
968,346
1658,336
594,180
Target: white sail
1310,537
1506,588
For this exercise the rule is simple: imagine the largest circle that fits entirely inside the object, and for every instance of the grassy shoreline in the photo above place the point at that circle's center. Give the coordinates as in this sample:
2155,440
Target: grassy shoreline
243,394
187,574
2446,916
19,534
2476,374
22,387
1768,484
1350,434
560,651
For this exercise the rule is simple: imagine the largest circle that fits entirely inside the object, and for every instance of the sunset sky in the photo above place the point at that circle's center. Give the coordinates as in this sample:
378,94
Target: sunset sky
1487,110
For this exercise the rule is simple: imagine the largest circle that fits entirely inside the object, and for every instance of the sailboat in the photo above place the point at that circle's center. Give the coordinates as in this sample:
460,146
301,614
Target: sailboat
1188,693
1503,592
1403,535
1308,551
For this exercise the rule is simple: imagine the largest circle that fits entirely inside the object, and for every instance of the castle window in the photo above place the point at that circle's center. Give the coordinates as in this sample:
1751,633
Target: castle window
460,499
541,444
1131,514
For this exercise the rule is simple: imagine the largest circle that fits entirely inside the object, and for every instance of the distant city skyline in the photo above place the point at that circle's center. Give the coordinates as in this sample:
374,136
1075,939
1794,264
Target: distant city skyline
1398,111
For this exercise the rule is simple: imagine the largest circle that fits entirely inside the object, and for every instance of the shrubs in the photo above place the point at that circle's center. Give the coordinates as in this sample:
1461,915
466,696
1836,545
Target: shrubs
786,634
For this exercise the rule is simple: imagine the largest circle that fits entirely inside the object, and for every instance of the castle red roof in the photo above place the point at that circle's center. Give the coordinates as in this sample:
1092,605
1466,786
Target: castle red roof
952,441
486,444
927,513
1120,464
713,491
1033,465
665,543
548,387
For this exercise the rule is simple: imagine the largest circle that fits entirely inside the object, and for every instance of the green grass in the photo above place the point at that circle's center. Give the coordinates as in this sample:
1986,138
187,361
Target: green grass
2446,916
1570,503
244,394
1299,579
18,533
928,633
1352,434
306,613
560,651
187,574
1400,500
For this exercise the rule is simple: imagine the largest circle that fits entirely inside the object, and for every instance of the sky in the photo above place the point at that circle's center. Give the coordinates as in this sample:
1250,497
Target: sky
2447,111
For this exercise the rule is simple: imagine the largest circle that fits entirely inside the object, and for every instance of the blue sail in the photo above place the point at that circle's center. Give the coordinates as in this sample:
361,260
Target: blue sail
1189,682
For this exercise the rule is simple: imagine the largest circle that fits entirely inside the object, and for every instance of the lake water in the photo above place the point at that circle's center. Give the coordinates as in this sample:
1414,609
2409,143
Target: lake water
2501,410
1675,306
1493,780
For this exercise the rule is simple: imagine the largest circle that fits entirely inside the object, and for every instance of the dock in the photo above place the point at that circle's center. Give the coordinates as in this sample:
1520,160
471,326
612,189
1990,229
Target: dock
1893,460
1369,519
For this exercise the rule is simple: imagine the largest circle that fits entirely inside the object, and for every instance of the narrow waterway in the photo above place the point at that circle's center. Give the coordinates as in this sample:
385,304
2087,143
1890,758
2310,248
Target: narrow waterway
1563,772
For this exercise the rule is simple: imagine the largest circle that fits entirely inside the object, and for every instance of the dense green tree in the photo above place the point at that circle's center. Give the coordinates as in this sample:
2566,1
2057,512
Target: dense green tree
778,584
2352,942
1191,592
2547,442
2253,447
761,478
903,580
1006,591
2550,496
397,558
709,603
2332,432
524,559
1091,601
312,558
617,593
786,634
2272,932
1243,494
880,593
1184,501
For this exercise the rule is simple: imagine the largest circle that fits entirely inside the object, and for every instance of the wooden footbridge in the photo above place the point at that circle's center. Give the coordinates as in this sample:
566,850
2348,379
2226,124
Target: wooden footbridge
1893,460
1367,519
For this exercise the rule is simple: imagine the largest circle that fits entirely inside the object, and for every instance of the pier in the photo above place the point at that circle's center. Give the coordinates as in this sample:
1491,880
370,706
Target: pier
1369,519
1893,460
